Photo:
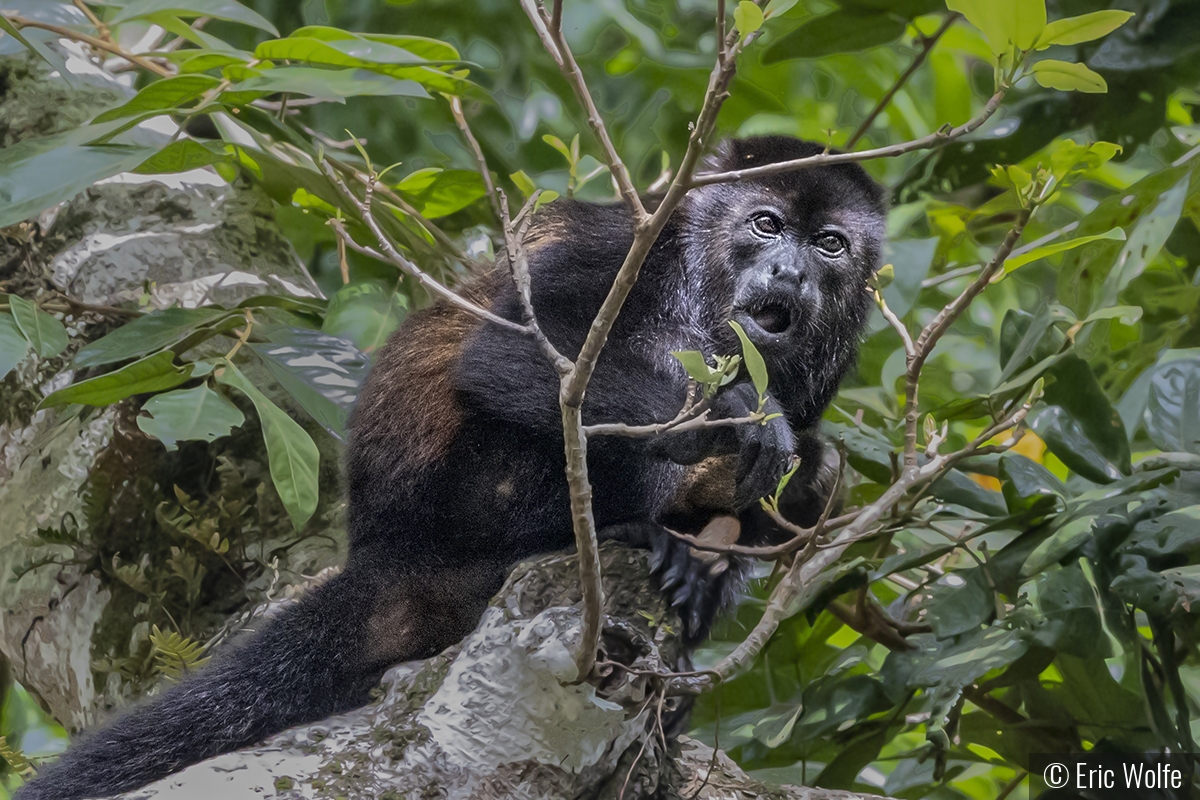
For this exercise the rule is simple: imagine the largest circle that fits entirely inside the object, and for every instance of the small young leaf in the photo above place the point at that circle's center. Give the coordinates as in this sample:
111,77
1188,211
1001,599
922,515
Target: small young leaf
748,17
559,145
44,333
523,182
217,9
697,366
754,362
291,453
1084,28
1068,77
198,414
151,374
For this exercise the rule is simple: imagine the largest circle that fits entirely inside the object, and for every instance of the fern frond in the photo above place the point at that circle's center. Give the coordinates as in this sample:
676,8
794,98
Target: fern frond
176,655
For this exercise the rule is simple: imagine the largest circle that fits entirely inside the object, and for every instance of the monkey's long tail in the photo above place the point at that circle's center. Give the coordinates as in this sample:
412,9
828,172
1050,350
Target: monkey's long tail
319,657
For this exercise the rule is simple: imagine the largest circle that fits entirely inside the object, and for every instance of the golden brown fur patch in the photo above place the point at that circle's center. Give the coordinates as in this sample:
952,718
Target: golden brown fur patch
417,367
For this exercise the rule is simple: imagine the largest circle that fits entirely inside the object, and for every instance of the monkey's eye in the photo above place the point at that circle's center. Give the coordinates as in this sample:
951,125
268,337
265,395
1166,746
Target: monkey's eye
830,243
766,224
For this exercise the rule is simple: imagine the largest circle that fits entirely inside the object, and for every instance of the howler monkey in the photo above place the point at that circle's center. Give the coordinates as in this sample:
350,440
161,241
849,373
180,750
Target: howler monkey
456,457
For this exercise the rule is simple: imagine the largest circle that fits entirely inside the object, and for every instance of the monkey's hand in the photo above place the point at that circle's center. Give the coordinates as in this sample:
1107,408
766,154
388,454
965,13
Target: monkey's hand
764,448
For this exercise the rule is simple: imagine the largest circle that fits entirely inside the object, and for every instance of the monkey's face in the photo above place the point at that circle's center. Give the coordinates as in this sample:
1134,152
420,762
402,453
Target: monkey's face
795,251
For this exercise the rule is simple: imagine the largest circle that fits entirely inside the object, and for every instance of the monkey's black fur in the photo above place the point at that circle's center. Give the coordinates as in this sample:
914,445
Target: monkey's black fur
456,458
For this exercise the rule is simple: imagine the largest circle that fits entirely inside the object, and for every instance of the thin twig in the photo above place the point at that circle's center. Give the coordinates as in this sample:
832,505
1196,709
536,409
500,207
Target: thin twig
927,43
895,322
550,31
935,139
461,120
939,325
99,44
698,422
100,27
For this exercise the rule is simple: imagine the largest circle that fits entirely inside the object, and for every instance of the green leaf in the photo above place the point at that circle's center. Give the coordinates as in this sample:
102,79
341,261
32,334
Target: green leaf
198,414
1067,77
181,156
365,314
1080,426
45,334
1026,480
377,56
523,182
162,95
696,366
1065,539
38,173
330,85
217,9
441,192
840,31
1172,413
748,17
151,374
13,346
322,372
431,49
958,602
754,361
1016,262
1029,20
1126,315
1000,21
291,452
149,333
1084,28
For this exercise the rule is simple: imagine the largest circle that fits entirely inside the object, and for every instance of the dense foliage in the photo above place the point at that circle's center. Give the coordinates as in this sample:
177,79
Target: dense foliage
1032,600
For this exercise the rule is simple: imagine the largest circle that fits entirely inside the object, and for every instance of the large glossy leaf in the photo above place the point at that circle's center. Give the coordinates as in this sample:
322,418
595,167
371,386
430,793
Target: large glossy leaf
1080,426
1069,614
291,452
163,95
13,346
955,487
1026,481
37,173
945,667
322,372
147,334
959,602
1173,407
152,374
1172,533
331,85
1071,534
837,32
198,414
45,334
217,9
1132,406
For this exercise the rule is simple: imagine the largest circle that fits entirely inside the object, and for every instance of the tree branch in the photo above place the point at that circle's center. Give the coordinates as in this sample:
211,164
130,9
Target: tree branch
939,325
927,44
99,44
460,119
550,32
936,139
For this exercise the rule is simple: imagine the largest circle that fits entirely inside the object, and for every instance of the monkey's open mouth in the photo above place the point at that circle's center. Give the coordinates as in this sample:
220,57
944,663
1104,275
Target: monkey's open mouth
772,318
